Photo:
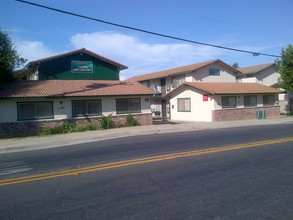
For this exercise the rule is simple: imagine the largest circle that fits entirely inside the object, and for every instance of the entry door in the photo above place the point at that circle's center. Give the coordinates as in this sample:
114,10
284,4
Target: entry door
163,86
164,109
291,106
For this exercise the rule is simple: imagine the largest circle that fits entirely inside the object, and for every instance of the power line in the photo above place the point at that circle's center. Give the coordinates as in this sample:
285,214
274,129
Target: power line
148,32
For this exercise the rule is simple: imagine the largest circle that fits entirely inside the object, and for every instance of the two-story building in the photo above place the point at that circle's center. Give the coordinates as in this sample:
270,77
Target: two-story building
78,86
165,81
267,74
196,89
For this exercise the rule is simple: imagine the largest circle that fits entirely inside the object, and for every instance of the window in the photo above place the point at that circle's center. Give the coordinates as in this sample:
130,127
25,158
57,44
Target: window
178,80
229,102
250,101
86,108
146,83
268,100
184,104
214,71
250,75
128,106
34,110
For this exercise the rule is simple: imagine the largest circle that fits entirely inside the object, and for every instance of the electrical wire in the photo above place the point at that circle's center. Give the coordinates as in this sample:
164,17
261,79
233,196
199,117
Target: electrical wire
147,31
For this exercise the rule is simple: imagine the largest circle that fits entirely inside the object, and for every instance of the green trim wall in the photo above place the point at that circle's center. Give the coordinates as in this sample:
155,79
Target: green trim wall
60,69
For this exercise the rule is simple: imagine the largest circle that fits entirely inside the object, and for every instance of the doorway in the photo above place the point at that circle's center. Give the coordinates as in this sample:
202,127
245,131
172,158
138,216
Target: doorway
291,106
164,109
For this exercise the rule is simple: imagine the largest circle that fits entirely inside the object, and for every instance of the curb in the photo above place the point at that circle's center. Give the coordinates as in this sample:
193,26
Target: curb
35,143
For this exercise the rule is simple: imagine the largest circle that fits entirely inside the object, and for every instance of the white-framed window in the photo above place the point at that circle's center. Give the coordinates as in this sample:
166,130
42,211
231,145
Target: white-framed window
229,102
177,80
34,110
269,100
250,101
184,104
81,108
214,71
128,105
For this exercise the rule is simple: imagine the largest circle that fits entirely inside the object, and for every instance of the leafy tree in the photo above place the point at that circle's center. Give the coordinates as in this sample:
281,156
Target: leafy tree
9,58
285,65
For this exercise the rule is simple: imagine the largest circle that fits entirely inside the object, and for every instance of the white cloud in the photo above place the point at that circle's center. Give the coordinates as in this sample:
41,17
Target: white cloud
32,50
142,57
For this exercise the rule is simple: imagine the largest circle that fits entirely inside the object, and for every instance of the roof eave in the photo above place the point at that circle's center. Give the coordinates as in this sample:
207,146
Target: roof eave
82,50
68,97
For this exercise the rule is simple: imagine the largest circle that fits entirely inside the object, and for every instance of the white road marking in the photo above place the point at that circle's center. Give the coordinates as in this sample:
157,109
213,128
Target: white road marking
13,167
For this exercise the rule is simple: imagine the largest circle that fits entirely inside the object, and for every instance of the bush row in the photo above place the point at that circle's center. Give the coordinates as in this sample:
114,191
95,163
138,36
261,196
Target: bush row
105,123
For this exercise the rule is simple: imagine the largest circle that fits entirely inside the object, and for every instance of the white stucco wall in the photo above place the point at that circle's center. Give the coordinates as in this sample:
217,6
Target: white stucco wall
62,108
249,80
200,110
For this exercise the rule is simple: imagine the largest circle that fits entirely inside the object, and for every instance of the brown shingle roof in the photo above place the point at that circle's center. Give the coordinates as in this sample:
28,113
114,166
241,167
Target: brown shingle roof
82,50
72,88
255,69
173,71
218,88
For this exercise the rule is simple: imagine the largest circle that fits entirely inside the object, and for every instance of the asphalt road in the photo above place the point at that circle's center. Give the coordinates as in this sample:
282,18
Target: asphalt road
252,183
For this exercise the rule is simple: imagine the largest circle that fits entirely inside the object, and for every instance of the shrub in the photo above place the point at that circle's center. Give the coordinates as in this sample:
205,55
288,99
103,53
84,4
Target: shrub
106,122
91,127
48,131
67,127
130,121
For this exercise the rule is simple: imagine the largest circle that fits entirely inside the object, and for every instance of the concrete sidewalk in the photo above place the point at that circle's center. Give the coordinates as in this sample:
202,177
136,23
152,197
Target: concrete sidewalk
34,143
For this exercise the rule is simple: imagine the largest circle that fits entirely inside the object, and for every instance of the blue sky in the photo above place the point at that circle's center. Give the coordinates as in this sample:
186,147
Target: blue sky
257,25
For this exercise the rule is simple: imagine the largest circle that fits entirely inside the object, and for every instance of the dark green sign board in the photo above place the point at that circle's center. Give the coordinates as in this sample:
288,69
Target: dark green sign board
81,66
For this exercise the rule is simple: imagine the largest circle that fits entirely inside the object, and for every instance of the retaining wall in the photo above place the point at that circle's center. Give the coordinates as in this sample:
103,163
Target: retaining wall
31,128
245,113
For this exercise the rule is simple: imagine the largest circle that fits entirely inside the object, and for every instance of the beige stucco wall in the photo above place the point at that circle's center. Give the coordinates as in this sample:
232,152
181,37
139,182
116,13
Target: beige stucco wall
240,101
284,99
202,75
200,110
63,108
268,76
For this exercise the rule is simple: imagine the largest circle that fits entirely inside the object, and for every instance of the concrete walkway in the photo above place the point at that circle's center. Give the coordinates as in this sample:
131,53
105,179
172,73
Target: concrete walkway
34,143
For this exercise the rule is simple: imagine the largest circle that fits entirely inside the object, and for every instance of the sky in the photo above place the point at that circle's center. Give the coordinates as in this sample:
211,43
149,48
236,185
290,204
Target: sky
263,26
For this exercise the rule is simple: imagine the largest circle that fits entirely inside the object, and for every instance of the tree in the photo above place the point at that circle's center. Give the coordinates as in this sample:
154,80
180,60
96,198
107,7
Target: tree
9,58
285,65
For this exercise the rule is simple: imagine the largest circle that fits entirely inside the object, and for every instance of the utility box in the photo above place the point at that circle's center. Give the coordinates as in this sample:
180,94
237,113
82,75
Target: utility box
261,114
